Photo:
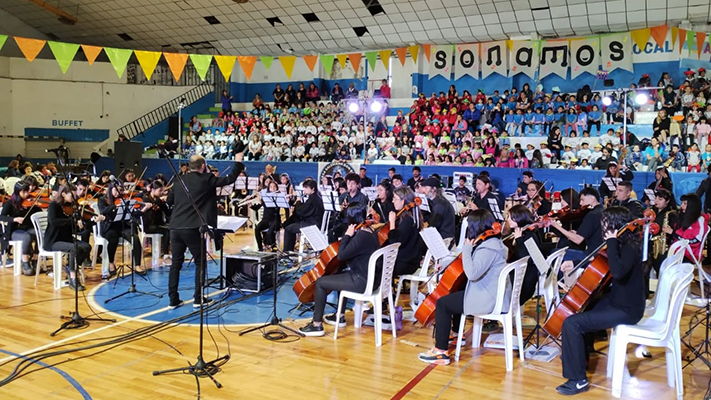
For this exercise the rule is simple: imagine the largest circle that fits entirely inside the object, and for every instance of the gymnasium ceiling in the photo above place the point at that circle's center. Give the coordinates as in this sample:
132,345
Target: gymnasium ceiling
274,27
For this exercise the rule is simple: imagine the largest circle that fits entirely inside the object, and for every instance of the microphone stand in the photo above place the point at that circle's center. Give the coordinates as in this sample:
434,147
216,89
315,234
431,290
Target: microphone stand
201,367
74,319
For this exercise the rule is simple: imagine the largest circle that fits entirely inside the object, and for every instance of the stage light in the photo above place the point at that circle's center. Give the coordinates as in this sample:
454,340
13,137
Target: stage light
376,106
641,98
606,101
353,107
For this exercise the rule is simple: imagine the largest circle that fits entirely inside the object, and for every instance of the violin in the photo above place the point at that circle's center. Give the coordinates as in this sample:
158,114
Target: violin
451,281
384,230
37,202
565,215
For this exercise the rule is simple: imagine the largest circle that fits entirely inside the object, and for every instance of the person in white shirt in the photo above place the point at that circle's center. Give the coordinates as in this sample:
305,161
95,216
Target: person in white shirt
584,153
546,153
596,154
611,138
568,154
299,151
529,151
313,152
311,128
285,152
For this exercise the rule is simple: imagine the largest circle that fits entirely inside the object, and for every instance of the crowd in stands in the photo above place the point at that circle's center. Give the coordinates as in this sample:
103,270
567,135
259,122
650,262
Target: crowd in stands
461,128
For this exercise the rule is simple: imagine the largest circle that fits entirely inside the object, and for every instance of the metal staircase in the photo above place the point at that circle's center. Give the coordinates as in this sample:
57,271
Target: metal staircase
151,119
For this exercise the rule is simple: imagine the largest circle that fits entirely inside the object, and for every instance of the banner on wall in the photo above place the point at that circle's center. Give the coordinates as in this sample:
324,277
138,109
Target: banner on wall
524,57
494,59
554,58
466,61
332,168
616,52
441,61
584,56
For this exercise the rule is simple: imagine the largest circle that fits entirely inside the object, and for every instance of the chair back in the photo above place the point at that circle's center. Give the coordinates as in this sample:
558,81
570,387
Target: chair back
678,286
388,254
519,268
462,234
39,221
426,264
667,274
10,184
677,247
671,260
555,260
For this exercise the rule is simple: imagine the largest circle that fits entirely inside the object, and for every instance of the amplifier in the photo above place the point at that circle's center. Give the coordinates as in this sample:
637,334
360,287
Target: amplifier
250,271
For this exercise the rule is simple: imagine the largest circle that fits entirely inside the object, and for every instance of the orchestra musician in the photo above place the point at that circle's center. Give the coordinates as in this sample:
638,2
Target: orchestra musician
520,217
462,192
129,178
588,234
113,231
704,190
81,193
404,229
353,195
270,222
617,174
624,304
354,251
482,265
306,213
482,197
441,215
155,214
537,202
661,181
522,187
58,236
666,216
383,204
21,225
622,198
692,225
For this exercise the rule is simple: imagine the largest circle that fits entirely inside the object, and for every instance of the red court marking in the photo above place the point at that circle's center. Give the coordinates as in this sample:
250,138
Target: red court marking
406,389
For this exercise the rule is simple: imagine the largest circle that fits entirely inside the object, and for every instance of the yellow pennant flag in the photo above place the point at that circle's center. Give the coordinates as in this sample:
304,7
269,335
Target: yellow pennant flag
342,59
674,34
30,47
176,62
413,52
288,63
226,64
148,61
385,57
640,37
91,52
247,64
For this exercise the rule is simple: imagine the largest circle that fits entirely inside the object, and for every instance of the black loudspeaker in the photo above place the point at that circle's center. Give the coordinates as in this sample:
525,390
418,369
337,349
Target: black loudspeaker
608,82
174,127
250,271
128,155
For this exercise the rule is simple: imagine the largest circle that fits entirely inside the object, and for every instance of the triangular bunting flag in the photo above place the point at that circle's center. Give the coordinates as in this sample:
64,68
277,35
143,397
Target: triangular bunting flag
402,55
413,52
310,62
689,40
427,49
288,63
176,62
226,64
355,60
342,59
201,62
148,61
509,44
640,37
675,33
700,39
327,62
247,64
267,61
659,33
64,54
682,37
91,52
3,38
385,57
372,57
30,47
119,58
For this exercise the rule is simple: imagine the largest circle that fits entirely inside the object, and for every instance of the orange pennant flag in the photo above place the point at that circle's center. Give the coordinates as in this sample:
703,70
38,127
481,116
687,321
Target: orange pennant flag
176,62
402,55
682,38
427,49
91,52
311,62
30,47
355,60
659,33
247,64
700,39
413,52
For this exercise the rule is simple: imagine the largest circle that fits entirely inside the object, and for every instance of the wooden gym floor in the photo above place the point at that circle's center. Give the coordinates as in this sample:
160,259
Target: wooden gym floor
317,368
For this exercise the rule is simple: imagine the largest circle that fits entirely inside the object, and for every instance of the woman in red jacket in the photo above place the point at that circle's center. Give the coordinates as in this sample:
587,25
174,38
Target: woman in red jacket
692,226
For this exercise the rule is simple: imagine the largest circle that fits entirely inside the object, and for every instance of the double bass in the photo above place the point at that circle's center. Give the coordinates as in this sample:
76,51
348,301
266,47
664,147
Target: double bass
451,281
594,279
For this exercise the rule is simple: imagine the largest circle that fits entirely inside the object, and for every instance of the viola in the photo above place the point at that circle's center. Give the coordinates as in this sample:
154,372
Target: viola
384,230
451,281
594,279
565,215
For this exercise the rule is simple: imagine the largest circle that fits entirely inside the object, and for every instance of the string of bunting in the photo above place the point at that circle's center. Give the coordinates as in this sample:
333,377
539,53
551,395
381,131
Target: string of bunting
506,57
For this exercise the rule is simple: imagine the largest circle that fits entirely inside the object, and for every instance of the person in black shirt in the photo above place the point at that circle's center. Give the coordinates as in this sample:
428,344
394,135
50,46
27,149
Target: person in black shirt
588,234
405,230
624,304
58,236
155,214
113,231
305,214
336,93
383,204
416,178
270,222
397,181
353,195
462,192
364,180
354,251
520,217
522,186
622,198
617,174
661,181
483,198
21,228
441,216
537,201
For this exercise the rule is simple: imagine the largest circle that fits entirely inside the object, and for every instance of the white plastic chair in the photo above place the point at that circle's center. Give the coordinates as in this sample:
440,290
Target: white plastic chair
375,296
101,241
39,221
703,277
156,243
462,234
549,283
16,255
504,313
415,279
661,329
10,184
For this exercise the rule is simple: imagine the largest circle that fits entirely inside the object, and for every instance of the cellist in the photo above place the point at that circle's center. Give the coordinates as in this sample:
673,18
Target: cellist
624,304
482,265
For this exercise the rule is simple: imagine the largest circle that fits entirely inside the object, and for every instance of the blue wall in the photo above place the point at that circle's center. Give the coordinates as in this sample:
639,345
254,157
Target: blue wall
158,132
244,92
70,135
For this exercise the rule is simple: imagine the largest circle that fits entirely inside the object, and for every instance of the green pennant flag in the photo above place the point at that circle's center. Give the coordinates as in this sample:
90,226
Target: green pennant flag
327,61
372,57
201,63
3,38
64,53
119,58
690,40
267,61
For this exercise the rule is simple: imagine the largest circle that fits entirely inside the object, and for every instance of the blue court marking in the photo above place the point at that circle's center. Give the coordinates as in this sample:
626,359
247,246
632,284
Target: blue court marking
254,310
63,374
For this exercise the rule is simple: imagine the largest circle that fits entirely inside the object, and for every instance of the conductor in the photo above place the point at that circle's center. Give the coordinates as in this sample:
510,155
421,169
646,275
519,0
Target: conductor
185,223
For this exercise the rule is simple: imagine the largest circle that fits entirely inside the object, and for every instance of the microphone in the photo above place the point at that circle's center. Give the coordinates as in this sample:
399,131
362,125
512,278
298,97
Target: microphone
54,150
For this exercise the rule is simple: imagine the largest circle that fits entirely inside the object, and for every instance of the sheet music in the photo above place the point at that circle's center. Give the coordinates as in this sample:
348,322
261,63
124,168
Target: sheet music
282,188
324,188
537,256
425,206
371,192
269,199
650,196
494,206
124,211
225,190
230,224
252,183
315,237
435,243
281,200
241,183
330,201
611,182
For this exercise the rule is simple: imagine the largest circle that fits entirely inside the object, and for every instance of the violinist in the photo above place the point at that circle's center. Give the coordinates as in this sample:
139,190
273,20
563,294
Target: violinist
155,214
353,195
99,187
482,265
441,216
521,217
59,233
537,201
624,304
666,216
405,229
22,228
270,221
129,178
112,230
615,174
81,193
306,214
383,204
622,198
661,181
588,234
355,250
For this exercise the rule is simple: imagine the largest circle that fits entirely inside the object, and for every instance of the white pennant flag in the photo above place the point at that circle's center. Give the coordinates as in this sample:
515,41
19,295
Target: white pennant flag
494,59
554,59
524,58
584,56
466,61
616,52
441,61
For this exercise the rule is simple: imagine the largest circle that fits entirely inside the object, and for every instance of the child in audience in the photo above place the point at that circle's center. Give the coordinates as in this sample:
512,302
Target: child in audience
594,118
693,159
678,158
584,165
550,120
570,120
539,121
582,123
636,158
510,124
518,123
706,156
568,154
702,131
528,122
596,154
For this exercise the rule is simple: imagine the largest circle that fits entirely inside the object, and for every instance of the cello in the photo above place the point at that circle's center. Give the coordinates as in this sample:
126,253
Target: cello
594,279
451,281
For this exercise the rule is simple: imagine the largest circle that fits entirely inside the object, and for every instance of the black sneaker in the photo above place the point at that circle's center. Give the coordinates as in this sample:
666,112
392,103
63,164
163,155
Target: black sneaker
27,269
74,286
573,387
490,326
175,304
312,330
331,320
205,301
